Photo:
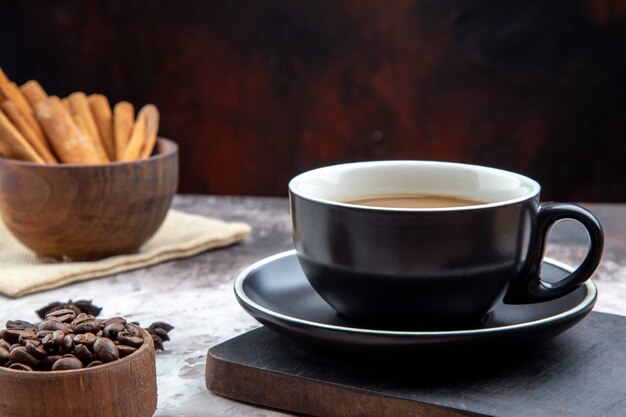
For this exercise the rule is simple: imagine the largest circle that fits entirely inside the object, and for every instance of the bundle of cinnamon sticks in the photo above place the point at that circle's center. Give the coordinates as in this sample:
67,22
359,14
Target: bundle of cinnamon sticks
78,129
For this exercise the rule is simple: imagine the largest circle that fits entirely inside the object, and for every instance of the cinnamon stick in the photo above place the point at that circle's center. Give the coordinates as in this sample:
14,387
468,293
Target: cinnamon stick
15,115
123,120
13,144
152,128
10,91
66,103
3,77
137,138
33,91
82,125
101,111
80,110
70,144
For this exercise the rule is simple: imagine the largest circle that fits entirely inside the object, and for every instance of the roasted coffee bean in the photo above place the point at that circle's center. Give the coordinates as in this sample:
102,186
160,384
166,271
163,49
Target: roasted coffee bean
31,342
133,329
112,320
83,353
125,350
67,362
20,367
162,333
58,337
43,333
42,312
20,355
4,355
5,344
80,306
14,346
87,326
159,332
94,363
160,325
47,362
19,325
52,324
36,349
13,335
105,350
65,315
113,329
54,339
60,312
86,306
129,339
68,317
85,339
68,342
157,341
81,318
26,335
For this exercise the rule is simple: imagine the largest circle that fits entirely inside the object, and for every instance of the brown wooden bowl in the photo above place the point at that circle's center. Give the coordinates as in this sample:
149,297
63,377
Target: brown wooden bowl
124,388
86,212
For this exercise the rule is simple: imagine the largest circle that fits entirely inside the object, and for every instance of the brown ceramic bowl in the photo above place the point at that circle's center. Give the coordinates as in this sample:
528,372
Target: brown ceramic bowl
124,388
85,212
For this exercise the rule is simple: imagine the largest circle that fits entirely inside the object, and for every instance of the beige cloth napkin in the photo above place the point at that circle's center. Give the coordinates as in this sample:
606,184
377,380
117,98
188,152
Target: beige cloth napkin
180,235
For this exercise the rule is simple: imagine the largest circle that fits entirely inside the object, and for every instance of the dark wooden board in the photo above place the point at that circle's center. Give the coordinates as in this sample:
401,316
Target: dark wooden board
581,373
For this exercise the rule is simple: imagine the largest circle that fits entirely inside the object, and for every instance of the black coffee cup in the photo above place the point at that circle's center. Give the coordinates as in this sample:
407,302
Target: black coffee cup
436,267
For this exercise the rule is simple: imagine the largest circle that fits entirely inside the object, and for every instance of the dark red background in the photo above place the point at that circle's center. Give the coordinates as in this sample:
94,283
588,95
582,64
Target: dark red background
257,91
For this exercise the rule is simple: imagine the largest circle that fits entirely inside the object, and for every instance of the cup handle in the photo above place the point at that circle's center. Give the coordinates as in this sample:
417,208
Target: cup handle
534,289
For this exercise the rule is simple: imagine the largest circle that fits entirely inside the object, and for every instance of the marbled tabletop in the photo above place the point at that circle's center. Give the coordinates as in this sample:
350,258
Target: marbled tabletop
196,296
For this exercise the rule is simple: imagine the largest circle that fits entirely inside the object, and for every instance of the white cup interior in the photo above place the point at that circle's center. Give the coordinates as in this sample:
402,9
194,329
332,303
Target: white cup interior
338,183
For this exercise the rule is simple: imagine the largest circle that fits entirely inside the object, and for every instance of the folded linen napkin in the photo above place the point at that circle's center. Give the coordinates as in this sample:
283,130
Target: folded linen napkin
181,235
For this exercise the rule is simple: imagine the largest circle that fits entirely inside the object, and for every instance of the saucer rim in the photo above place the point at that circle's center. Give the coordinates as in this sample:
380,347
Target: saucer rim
589,299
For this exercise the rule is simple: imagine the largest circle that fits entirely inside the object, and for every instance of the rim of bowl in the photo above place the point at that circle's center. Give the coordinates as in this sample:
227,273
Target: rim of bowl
169,148
147,343
295,181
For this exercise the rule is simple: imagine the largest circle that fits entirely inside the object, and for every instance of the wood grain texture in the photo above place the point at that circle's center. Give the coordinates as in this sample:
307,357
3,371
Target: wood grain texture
255,92
88,211
123,388
578,374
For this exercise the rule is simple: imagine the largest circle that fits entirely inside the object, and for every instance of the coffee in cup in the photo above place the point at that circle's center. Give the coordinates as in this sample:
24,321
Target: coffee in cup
428,244
413,201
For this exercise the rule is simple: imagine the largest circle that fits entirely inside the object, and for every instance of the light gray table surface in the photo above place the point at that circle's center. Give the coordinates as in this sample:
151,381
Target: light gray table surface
195,294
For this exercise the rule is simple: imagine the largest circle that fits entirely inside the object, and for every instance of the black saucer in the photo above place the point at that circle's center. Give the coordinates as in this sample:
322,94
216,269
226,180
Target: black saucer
277,294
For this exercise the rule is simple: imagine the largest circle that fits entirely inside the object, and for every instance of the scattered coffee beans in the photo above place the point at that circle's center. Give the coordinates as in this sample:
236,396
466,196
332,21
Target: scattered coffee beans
68,339
159,332
80,306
